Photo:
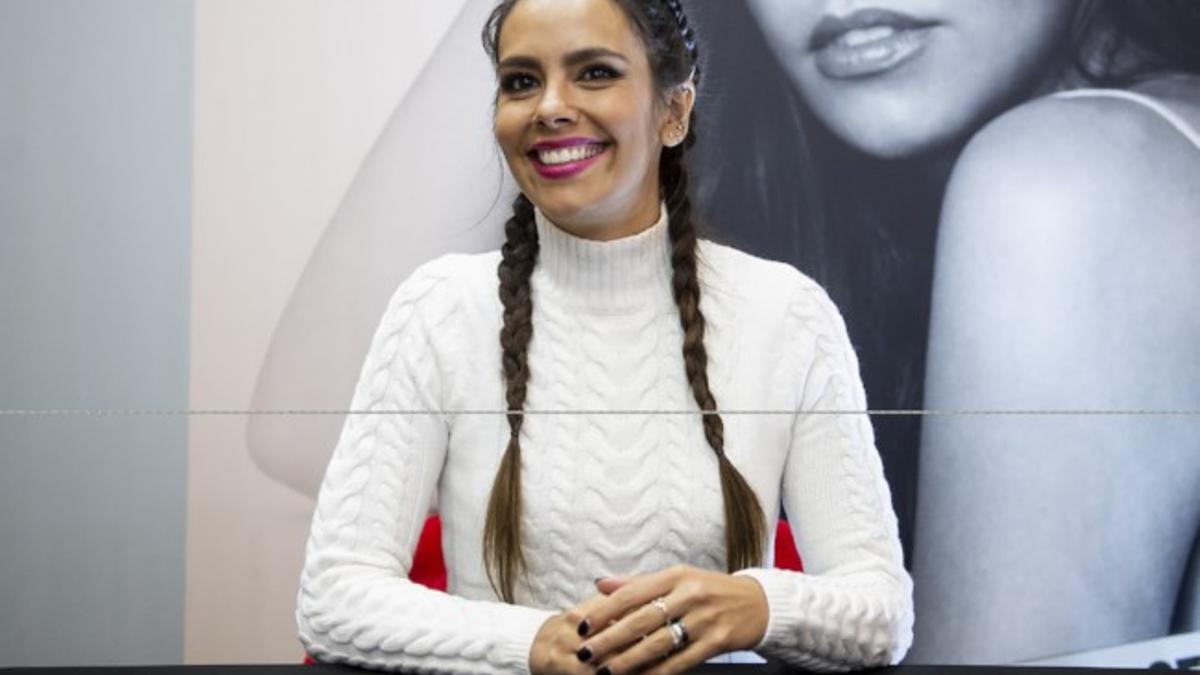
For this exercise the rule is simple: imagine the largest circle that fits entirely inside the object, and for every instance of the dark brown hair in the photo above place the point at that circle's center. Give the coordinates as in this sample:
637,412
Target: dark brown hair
1115,43
671,48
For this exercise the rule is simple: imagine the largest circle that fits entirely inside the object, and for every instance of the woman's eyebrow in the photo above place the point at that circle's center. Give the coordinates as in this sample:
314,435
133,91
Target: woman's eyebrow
571,59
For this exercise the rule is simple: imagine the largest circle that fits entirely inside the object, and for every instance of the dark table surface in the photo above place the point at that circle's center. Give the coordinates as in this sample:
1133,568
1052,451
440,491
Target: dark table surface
712,669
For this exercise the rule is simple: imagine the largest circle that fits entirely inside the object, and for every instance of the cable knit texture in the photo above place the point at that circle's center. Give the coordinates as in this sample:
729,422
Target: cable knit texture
603,494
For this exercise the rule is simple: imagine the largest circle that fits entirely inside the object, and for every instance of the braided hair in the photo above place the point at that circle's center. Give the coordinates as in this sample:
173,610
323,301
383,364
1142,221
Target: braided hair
671,46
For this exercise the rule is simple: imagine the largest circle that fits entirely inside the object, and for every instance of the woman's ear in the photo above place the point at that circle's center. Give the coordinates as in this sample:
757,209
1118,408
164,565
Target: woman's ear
679,113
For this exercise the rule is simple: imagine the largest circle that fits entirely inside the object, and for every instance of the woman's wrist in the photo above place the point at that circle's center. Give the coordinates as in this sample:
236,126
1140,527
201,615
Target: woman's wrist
757,614
539,649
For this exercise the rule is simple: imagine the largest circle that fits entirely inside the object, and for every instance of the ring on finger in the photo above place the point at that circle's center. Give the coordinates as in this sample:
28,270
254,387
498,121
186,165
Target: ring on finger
679,634
661,606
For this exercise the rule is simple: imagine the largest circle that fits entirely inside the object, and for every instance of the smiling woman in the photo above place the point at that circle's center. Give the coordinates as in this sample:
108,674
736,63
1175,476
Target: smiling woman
607,97
607,543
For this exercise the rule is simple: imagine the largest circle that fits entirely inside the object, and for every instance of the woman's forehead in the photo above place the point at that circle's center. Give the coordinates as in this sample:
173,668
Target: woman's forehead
546,28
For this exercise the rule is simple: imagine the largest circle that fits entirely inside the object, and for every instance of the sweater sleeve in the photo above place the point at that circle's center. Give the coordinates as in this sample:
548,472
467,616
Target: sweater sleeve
356,604
852,606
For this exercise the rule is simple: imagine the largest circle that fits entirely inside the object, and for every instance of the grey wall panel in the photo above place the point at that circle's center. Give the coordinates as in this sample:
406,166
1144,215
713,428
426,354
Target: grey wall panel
95,161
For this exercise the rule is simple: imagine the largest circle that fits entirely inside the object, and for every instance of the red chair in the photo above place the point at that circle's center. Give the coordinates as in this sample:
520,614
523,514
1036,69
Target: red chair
786,555
429,568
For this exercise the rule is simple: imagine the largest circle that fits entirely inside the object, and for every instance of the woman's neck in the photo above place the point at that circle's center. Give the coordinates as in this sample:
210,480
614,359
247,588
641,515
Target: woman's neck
611,276
608,223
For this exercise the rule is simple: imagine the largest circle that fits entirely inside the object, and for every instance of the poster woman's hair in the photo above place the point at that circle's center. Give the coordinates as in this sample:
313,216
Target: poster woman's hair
671,47
1116,42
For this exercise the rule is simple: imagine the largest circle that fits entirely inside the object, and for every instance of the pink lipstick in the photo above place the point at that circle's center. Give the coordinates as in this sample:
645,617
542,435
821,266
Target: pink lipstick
562,158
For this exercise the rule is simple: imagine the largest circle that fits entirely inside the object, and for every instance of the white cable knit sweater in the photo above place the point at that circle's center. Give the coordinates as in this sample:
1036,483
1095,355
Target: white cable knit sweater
602,494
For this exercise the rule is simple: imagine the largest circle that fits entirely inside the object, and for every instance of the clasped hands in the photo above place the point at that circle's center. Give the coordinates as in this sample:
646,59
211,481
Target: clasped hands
623,630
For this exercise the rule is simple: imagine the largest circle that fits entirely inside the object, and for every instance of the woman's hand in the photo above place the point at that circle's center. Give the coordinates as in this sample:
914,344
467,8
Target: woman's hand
626,633
555,649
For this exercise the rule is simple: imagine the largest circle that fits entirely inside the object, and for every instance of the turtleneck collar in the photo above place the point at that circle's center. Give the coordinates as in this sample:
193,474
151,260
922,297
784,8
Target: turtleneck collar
605,276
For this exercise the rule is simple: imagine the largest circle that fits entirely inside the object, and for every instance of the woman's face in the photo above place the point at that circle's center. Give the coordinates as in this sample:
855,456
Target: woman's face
896,78
577,115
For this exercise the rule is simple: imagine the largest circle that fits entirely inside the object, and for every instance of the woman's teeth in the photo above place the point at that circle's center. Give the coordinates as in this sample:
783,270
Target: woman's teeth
568,155
861,36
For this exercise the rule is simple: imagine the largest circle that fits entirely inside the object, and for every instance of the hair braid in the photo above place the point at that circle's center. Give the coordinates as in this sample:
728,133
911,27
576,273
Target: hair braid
671,45
502,552
745,523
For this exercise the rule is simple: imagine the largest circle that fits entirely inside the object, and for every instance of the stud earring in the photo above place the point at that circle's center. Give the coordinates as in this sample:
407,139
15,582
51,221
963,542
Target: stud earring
677,137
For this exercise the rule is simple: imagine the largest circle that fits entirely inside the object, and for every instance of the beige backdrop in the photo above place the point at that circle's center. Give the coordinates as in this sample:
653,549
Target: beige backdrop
289,97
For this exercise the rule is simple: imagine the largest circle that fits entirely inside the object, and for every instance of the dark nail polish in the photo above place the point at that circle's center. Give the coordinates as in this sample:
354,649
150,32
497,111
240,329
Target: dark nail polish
583,628
604,671
584,654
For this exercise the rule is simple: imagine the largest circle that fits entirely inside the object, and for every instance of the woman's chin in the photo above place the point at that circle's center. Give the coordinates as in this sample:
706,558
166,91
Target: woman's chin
892,148
900,127
580,195
557,204
898,141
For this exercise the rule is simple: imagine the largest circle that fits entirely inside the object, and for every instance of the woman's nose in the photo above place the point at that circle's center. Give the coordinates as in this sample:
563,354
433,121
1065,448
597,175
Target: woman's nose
554,109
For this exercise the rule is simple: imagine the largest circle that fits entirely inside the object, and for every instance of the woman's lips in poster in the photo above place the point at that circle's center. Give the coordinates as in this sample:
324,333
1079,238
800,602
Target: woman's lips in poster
867,42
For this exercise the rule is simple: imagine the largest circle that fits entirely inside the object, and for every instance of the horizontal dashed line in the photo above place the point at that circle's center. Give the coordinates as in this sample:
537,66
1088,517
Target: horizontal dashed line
729,412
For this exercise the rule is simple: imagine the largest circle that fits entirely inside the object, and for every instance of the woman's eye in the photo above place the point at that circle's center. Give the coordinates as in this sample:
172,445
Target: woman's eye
517,82
599,73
